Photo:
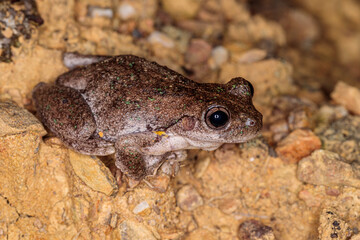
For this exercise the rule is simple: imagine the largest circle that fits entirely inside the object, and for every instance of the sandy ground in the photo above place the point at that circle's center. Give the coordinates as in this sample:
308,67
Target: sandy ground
300,179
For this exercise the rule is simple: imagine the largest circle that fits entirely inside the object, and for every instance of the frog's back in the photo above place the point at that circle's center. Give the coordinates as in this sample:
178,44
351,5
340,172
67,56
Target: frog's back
129,94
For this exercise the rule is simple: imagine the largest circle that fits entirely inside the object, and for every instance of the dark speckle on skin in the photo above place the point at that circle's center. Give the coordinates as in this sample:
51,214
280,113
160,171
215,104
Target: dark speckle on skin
121,104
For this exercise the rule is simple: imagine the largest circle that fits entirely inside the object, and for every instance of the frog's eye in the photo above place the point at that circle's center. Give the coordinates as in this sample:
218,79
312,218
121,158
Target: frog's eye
217,117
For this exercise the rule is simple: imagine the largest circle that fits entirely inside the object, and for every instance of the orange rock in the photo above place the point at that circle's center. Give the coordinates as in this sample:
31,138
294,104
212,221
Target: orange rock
298,144
347,96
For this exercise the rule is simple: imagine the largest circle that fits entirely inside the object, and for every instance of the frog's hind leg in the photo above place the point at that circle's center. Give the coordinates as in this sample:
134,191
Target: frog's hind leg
64,111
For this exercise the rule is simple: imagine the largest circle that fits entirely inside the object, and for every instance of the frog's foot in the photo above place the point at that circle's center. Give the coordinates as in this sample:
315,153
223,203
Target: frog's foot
72,59
90,146
171,163
131,161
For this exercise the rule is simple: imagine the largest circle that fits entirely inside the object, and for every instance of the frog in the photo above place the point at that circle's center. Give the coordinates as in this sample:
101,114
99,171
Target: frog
141,112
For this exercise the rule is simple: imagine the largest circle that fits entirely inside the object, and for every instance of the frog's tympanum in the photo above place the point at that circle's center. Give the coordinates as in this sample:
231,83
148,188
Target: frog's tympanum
143,112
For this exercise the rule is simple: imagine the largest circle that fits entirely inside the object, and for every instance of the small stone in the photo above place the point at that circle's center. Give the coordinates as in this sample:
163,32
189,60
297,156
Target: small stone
126,11
342,136
159,183
255,230
184,9
298,144
198,52
161,38
135,230
95,11
180,37
251,56
310,198
93,173
142,208
113,220
188,198
299,118
328,169
300,27
347,96
332,226
355,237
201,166
219,55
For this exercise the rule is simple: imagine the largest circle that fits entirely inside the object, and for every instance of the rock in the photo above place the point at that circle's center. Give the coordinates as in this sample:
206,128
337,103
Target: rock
93,173
255,230
161,38
188,198
198,52
159,183
355,237
328,169
142,208
200,234
95,11
332,226
252,55
219,55
180,37
300,27
298,144
181,10
201,166
347,96
255,30
130,230
16,120
342,137
126,11
235,11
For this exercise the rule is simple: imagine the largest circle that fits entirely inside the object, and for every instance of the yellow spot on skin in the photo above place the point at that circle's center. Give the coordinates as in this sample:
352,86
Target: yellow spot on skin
101,134
160,133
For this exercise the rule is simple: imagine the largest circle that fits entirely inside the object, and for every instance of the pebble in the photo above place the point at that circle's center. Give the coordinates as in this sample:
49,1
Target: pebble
184,9
347,96
159,183
255,230
93,173
251,56
198,52
126,11
328,169
161,38
135,230
201,166
95,11
332,226
343,137
298,144
188,198
219,55
141,208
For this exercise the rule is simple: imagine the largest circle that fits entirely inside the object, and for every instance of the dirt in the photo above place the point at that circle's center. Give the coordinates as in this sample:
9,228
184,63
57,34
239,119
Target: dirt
298,180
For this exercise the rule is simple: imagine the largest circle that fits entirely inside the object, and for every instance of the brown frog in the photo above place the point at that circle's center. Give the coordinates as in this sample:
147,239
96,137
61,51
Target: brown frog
143,112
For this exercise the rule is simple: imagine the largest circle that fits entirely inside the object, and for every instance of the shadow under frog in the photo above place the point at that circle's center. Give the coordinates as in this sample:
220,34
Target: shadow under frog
143,112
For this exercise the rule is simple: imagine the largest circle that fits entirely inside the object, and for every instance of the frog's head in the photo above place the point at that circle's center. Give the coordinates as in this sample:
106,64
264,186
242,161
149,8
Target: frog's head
226,115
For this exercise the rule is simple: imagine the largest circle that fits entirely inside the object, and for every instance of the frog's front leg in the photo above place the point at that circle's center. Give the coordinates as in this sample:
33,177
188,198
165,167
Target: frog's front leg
139,155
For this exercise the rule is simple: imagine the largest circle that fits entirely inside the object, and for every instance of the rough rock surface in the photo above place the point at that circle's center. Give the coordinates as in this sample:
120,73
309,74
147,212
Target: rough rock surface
294,54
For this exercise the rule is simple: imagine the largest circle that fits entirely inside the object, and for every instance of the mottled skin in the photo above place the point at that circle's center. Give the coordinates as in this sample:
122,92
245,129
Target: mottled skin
143,112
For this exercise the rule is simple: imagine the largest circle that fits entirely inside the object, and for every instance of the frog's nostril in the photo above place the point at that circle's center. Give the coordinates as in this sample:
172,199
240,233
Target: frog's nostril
250,122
